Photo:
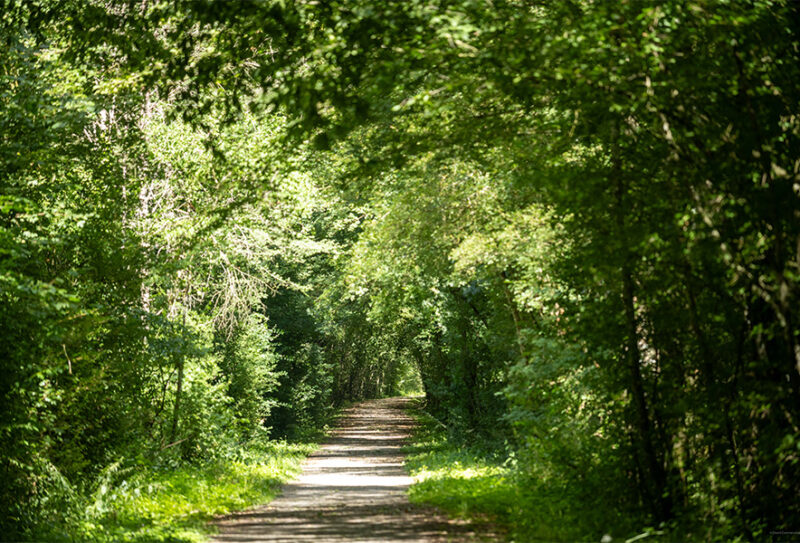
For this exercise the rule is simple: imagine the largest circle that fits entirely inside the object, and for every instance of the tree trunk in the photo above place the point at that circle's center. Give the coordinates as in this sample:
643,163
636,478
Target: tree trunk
181,358
176,408
654,482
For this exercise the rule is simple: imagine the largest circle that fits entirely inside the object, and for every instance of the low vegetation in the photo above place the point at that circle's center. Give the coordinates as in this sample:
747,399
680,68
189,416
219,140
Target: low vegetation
486,483
175,504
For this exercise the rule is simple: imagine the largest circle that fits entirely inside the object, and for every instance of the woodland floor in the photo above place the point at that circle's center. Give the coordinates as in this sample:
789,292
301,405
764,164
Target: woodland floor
352,489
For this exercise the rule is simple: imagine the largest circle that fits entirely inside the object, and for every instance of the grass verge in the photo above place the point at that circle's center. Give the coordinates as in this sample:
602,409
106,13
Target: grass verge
484,485
175,505
169,499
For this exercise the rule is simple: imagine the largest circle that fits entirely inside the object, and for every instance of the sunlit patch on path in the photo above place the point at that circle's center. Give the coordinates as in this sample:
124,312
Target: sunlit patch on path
352,489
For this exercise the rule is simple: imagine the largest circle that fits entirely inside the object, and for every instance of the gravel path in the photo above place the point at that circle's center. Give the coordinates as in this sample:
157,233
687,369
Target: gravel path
352,489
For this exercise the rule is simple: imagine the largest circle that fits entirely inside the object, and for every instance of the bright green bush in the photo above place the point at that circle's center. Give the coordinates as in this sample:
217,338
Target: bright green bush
248,364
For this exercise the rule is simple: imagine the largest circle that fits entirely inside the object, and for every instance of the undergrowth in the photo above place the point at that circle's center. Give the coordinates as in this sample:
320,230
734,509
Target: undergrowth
485,483
175,504
466,482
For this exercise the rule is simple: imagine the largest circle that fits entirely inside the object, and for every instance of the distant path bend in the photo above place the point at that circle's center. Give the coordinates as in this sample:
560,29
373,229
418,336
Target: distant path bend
353,489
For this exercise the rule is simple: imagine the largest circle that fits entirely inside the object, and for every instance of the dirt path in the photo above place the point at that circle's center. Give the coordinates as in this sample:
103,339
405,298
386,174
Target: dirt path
353,489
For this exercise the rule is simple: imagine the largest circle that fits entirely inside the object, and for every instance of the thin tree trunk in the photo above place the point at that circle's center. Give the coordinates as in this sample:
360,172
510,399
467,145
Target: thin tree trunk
655,485
514,314
715,399
784,290
179,390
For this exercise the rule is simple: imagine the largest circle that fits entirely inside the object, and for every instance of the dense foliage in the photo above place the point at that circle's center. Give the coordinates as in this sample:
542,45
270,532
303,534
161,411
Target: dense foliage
577,223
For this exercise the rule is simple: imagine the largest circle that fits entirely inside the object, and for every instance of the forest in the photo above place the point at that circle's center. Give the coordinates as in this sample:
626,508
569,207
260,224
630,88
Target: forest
572,225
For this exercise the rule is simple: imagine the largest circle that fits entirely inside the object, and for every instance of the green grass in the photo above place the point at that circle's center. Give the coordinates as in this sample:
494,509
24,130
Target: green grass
176,504
465,482
462,481
172,500
484,485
